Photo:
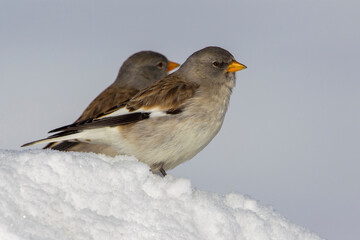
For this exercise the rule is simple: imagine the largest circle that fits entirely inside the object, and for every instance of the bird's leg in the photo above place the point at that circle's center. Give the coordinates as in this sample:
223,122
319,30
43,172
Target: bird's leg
162,171
158,168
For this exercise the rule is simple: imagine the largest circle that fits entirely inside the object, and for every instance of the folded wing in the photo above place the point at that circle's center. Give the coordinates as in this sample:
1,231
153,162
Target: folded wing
167,97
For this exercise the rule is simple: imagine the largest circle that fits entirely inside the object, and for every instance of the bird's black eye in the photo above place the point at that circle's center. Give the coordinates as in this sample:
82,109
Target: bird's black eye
160,65
218,64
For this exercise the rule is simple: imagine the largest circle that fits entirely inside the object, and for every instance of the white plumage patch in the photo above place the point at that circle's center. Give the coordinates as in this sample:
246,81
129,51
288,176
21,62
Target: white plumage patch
121,111
154,112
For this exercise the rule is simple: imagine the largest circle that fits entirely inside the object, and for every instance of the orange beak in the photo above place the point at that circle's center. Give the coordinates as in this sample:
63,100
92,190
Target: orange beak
235,66
172,65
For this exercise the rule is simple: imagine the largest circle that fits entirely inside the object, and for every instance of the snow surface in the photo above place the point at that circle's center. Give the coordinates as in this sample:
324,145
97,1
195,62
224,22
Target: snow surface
47,194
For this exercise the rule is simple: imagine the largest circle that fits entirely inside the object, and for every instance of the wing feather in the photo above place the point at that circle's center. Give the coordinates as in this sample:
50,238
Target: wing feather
168,96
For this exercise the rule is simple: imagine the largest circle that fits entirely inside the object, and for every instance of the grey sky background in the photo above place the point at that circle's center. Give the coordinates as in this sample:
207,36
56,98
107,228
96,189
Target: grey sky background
291,135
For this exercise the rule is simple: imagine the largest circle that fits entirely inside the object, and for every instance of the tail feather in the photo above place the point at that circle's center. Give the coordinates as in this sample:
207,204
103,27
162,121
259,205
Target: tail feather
66,135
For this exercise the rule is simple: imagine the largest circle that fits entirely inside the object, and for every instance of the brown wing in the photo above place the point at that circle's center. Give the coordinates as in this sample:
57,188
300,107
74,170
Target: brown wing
107,99
168,94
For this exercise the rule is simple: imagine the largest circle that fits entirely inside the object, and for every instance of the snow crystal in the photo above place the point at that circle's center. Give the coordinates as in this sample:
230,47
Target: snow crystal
48,194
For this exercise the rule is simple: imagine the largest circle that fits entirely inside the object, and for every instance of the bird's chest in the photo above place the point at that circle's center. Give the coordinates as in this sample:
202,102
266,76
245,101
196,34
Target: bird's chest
209,109
203,121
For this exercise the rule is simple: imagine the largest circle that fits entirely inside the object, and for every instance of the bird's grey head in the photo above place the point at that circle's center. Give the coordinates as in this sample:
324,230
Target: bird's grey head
211,65
142,69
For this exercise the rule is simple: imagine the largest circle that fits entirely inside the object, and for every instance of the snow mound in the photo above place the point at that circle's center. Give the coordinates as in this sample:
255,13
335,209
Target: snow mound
47,194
